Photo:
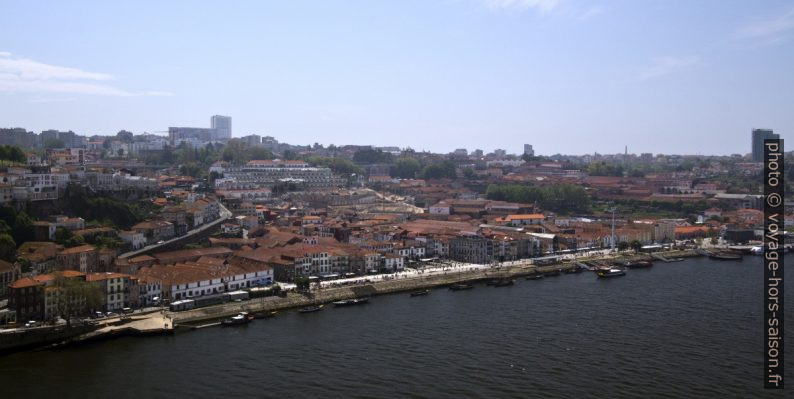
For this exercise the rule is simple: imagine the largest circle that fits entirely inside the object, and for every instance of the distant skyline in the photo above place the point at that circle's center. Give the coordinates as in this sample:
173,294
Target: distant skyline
567,76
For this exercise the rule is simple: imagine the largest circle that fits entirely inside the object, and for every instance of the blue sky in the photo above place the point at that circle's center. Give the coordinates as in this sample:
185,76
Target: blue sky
568,76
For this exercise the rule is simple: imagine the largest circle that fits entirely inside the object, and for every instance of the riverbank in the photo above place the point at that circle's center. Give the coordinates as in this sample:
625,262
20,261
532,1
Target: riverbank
152,322
159,322
193,317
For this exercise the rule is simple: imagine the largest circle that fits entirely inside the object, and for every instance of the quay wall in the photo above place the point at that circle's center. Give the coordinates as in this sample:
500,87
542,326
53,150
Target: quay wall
37,337
327,295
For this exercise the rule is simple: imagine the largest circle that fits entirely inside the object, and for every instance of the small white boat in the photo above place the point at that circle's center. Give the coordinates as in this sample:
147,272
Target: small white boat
611,272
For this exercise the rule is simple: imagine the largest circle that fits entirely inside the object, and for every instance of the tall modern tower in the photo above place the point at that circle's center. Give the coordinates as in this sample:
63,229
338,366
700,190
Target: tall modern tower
223,126
759,135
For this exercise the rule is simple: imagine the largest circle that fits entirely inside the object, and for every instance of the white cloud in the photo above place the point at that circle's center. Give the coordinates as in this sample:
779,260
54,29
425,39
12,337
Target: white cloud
53,100
540,5
587,13
666,65
769,27
21,75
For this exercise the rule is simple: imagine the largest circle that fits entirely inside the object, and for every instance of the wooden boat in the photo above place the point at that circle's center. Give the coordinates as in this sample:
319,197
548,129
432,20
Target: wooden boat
725,256
351,302
460,287
265,315
310,309
536,276
573,270
420,293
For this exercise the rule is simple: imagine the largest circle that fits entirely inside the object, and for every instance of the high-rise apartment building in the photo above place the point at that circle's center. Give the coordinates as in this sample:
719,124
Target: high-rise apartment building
759,135
222,125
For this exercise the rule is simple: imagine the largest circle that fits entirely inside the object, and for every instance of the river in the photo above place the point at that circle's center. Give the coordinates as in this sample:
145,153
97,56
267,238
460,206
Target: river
686,329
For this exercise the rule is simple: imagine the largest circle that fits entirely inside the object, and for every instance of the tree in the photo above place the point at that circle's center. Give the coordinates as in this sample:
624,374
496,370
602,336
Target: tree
234,152
405,168
8,214
445,169
302,283
120,152
8,248
74,297
636,245
562,198
23,228
469,174
12,153
124,136
601,168
5,228
623,245
191,169
24,265
259,153
67,238
167,157
371,155
339,166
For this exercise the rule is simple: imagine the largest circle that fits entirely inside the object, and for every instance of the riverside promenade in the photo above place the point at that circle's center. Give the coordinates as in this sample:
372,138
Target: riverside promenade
393,283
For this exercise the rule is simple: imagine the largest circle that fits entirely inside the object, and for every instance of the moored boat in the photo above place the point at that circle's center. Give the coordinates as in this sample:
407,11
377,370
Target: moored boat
420,293
573,270
552,273
611,272
265,315
351,302
310,309
638,264
241,318
504,282
536,276
725,255
460,287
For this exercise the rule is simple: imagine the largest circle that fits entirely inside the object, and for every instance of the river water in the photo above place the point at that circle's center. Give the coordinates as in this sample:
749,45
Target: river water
687,329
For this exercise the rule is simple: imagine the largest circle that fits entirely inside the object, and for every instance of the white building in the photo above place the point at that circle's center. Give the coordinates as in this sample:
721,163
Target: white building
393,262
135,239
222,125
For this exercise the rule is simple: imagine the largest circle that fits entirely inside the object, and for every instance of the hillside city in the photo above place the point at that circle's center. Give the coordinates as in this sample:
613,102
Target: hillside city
91,226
